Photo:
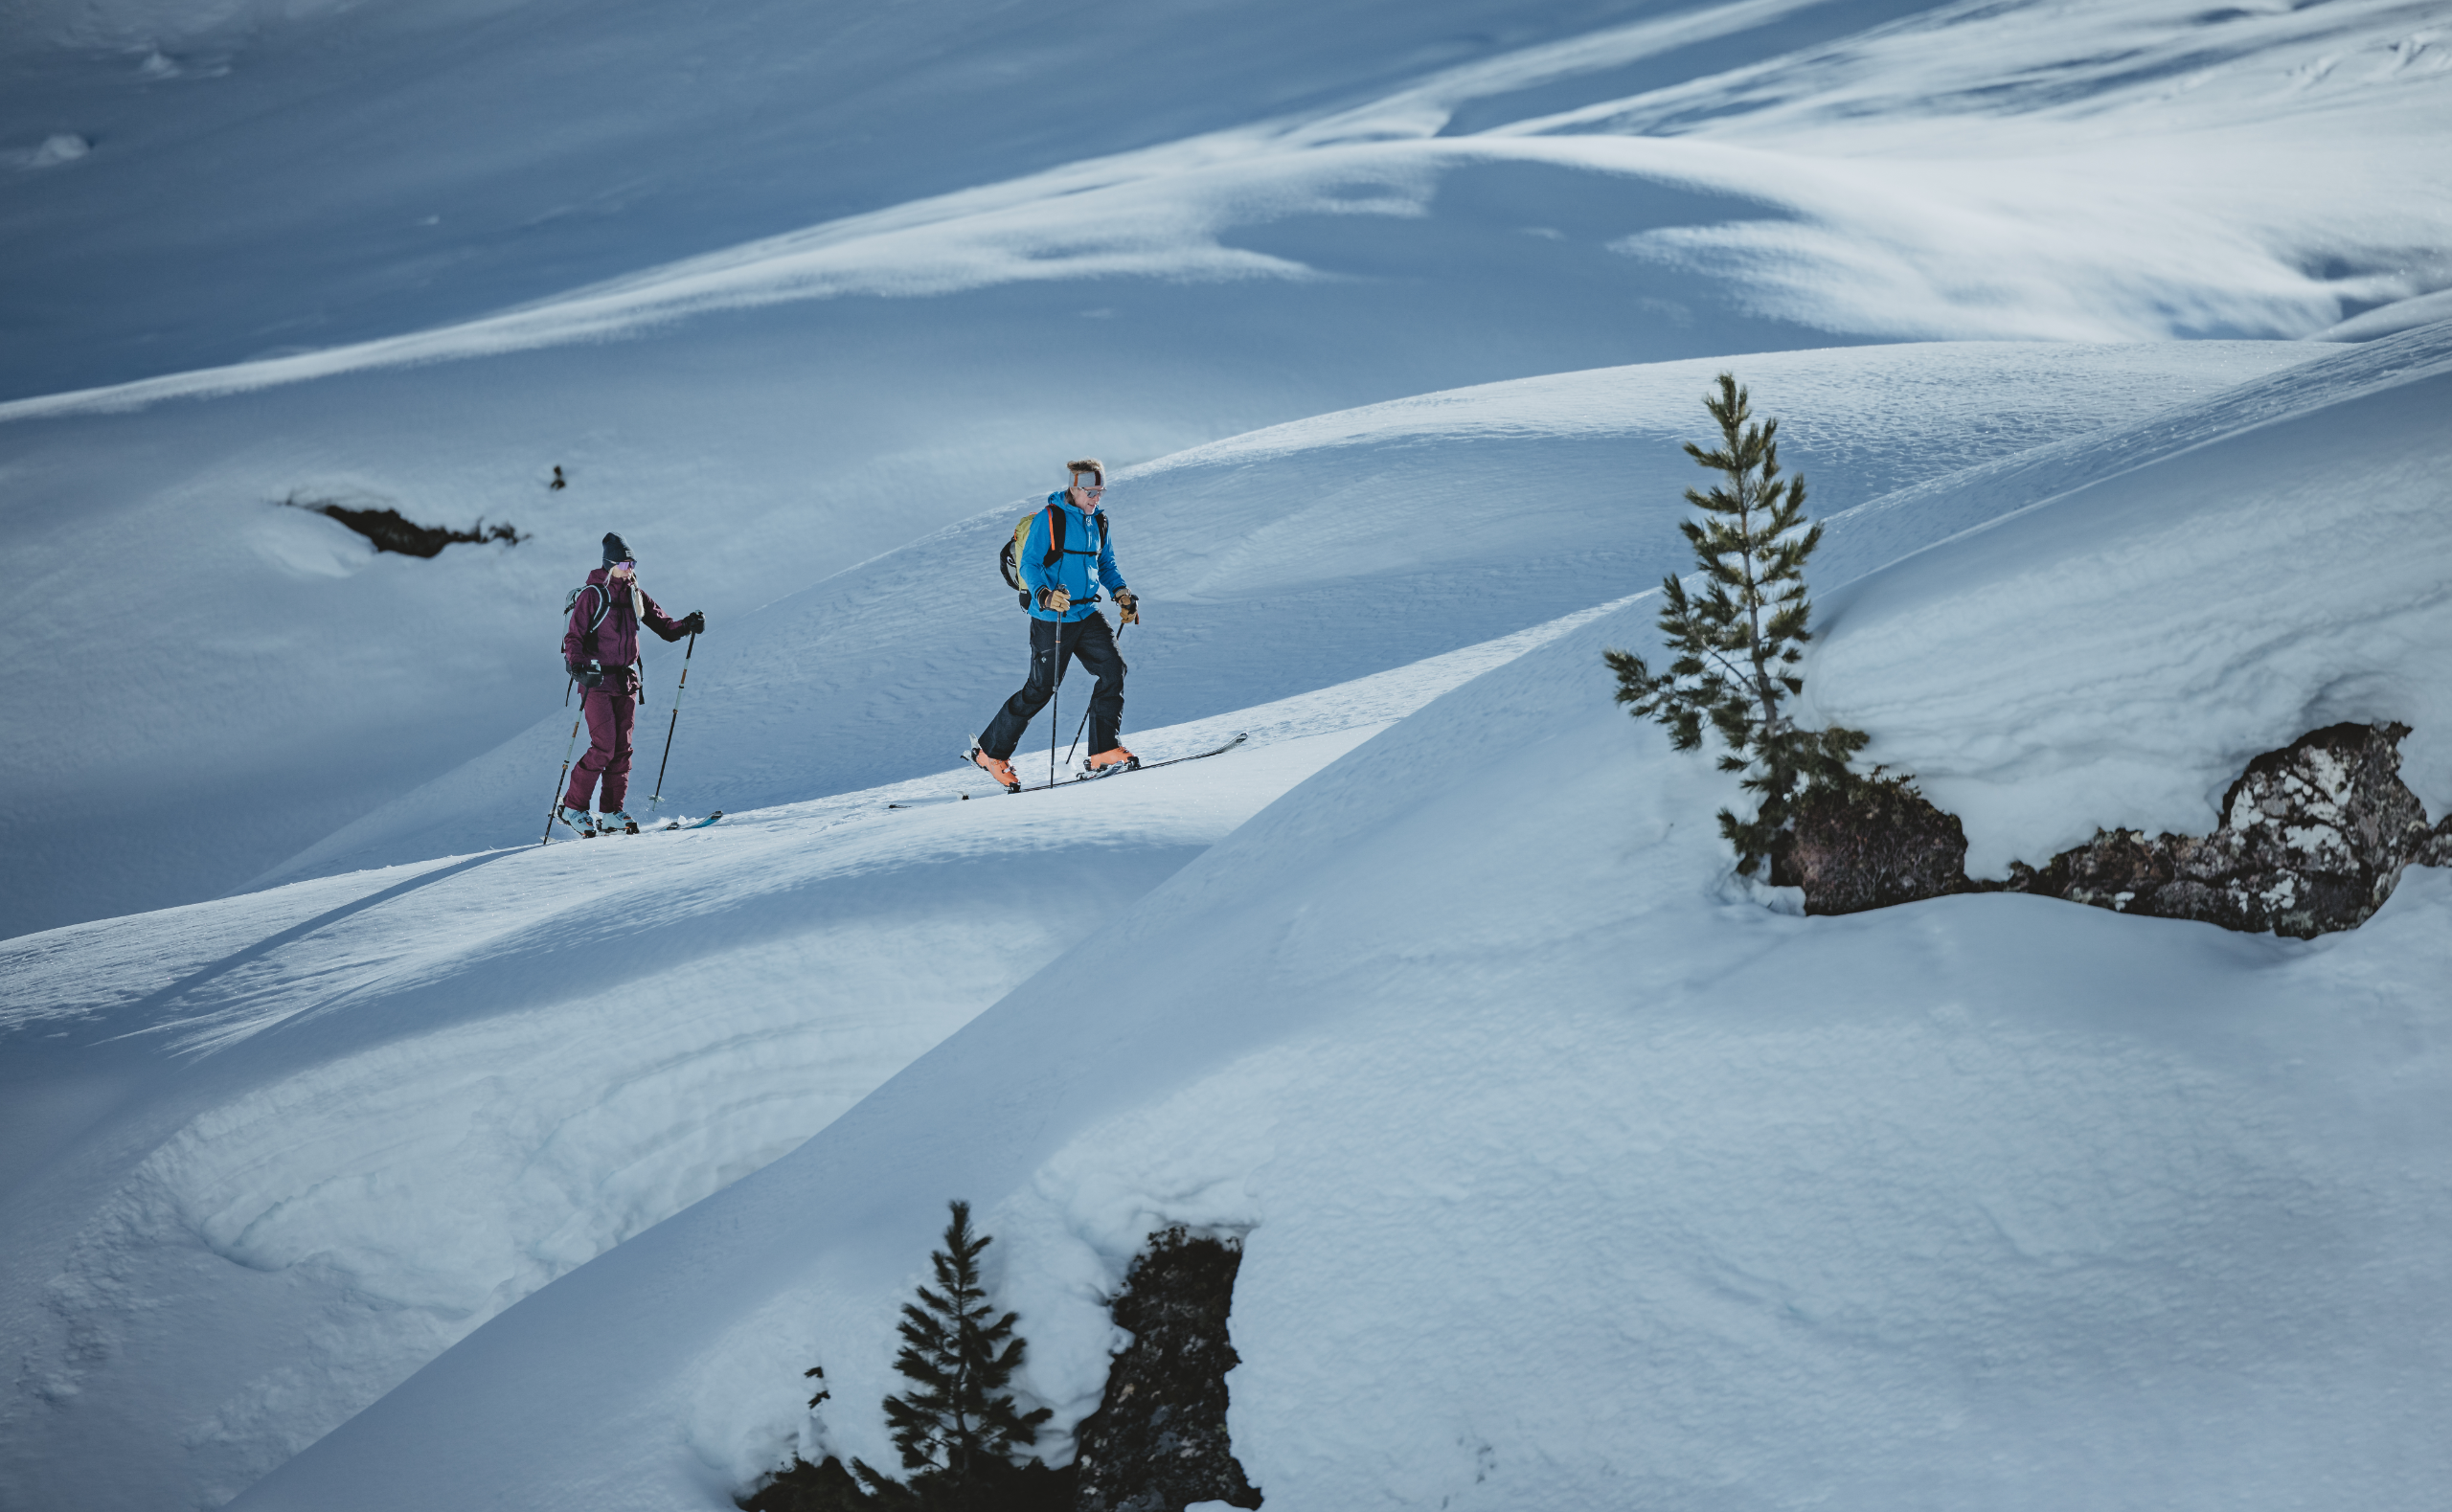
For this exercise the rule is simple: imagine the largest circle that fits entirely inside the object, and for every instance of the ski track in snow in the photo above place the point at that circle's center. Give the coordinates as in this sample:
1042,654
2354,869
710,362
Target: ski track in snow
1567,1168
1567,191
533,1026
1357,540
367,1114
1571,1175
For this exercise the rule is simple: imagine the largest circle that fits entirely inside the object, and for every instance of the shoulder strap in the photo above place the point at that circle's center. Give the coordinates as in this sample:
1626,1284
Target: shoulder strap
1055,536
603,608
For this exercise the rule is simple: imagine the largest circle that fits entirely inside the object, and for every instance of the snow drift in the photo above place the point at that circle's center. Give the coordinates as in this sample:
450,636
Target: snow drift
1570,1176
775,328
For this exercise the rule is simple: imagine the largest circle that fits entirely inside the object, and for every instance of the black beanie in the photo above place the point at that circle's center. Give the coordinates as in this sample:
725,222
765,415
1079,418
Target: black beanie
615,551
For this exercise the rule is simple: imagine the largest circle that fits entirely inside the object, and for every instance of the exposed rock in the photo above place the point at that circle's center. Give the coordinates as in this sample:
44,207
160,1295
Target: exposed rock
829,1487
2313,840
805,1487
1157,1442
1875,842
391,532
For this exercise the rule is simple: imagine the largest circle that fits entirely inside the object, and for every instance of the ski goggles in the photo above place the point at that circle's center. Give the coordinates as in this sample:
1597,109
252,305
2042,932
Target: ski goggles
1088,487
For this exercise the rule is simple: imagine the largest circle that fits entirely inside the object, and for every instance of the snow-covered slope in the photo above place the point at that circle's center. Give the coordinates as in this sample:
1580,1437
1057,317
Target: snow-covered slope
1300,556
1572,1176
267,1156
273,1153
1249,221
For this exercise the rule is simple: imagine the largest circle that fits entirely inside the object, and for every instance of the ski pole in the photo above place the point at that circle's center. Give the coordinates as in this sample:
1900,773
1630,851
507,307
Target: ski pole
557,804
1056,703
1085,713
678,689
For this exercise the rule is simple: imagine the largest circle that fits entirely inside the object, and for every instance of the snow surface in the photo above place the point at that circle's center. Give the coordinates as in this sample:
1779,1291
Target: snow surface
1572,1176
1304,554
223,1240
290,1146
880,281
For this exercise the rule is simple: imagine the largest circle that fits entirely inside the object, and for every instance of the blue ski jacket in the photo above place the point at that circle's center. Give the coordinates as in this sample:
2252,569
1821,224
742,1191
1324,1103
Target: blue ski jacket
1088,561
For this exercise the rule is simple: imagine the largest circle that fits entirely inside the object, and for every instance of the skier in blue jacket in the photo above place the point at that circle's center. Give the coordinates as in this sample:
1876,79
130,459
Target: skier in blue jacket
1065,626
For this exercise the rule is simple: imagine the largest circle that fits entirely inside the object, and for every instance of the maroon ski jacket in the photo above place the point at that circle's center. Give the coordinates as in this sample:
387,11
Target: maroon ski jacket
604,621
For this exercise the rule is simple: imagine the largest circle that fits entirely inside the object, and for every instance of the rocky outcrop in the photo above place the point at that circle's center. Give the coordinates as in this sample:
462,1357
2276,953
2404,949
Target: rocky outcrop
1875,842
2313,839
804,1487
1157,1442
392,531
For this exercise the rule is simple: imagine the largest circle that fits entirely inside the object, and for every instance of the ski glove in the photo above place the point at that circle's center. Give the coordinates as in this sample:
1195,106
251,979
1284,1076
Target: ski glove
588,673
1056,598
695,625
1130,603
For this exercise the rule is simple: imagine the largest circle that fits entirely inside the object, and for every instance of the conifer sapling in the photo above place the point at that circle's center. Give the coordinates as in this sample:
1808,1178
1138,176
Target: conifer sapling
957,1428
1738,640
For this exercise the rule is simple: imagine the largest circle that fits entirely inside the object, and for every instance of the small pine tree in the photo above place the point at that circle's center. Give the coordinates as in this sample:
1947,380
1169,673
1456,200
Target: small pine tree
958,1430
1739,640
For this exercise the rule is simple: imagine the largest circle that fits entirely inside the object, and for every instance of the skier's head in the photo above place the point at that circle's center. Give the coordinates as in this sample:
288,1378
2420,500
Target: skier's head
616,551
1089,481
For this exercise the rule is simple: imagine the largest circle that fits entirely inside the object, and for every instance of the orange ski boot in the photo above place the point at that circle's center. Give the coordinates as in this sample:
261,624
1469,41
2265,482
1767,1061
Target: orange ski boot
1108,763
1001,770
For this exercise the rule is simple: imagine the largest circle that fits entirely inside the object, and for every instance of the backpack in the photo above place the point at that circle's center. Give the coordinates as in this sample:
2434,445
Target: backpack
603,608
1008,556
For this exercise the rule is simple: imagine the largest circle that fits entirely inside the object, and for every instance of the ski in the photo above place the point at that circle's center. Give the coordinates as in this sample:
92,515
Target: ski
665,828
1080,781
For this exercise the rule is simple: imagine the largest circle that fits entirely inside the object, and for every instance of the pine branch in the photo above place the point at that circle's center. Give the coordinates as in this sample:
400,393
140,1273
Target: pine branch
1738,639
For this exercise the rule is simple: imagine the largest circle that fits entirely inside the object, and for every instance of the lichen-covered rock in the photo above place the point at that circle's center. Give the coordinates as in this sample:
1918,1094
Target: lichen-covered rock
2313,839
1872,845
1157,1442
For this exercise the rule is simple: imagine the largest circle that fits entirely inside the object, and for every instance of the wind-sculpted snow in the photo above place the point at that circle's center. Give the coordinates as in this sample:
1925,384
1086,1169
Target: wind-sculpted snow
1298,556
2291,536
1572,1176
270,1155
898,261
1474,1005
1840,207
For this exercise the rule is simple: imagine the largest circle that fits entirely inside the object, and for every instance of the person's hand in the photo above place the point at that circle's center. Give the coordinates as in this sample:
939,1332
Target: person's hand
694,624
590,675
1130,603
1056,598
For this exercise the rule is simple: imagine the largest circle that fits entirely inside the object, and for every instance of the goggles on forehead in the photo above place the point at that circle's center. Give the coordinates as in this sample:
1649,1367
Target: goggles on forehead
1089,483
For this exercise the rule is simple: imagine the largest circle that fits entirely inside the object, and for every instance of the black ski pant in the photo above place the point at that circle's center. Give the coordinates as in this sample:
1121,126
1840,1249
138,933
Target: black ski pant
1054,646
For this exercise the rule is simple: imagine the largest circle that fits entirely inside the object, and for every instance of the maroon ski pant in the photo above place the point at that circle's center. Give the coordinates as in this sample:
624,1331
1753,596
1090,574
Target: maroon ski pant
608,747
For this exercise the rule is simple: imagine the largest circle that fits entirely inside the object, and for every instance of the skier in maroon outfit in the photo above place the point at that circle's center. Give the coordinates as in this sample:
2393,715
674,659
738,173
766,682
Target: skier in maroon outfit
600,647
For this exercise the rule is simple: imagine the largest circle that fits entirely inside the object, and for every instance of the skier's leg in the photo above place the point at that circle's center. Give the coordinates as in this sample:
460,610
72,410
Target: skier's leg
1097,650
600,742
617,770
1005,732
